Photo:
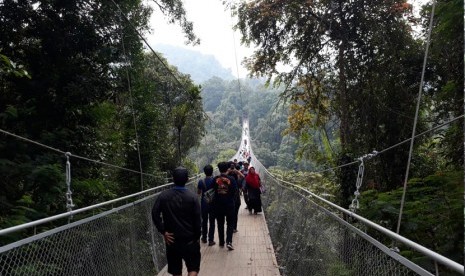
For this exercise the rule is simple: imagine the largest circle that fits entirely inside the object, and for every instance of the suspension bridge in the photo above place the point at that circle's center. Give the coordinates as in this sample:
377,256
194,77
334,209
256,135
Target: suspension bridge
300,233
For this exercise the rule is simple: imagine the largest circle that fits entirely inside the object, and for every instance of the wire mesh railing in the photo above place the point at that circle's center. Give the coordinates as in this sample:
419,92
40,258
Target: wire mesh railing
311,240
120,241
308,240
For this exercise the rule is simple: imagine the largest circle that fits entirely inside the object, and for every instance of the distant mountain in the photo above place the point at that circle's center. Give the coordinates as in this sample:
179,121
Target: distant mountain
201,67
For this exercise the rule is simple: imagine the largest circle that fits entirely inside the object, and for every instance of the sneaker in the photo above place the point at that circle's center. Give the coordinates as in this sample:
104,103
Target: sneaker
221,244
235,231
204,240
211,243
230,246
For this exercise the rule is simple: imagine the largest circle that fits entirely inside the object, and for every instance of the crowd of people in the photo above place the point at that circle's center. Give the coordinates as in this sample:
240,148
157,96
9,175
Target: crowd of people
184,220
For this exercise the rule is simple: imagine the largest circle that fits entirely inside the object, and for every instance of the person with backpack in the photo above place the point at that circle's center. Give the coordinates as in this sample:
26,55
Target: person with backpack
176,214
225,187
208,215
234,171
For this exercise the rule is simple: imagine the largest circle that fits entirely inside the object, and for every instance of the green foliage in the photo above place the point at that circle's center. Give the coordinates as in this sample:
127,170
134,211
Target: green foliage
224,155
7,67
315,183
93,191
95,93
445,97
225,108
175,12
345,93
432,216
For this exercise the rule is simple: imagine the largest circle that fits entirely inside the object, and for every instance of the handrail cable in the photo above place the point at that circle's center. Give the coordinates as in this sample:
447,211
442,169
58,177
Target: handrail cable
150,47
395,145
73,155
77,211
427,252
131,101
437,257
428,41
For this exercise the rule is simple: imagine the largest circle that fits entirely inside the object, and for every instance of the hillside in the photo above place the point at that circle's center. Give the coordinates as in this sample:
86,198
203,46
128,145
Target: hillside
199,66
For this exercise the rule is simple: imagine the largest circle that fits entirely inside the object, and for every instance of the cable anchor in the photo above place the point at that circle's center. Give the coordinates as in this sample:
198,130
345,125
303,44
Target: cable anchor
69,194
355,205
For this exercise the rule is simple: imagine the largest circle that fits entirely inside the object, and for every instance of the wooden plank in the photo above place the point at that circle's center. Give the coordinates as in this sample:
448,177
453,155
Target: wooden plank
253,253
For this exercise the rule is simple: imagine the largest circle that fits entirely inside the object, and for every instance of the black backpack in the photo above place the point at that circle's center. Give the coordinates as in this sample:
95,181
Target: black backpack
208,195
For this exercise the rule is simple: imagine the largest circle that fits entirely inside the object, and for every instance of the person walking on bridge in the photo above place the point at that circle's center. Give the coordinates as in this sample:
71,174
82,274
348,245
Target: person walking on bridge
244,172
208,214
253,183
225,190
176,214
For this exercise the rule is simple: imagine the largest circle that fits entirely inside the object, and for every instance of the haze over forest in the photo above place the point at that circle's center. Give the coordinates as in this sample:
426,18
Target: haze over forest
225,104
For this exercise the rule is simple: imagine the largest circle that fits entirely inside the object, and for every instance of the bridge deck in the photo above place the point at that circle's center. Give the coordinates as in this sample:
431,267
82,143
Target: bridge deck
253,252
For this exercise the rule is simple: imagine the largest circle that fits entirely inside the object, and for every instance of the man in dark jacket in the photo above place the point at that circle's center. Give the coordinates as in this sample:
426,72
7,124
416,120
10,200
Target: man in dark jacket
225,187
176,214
208,214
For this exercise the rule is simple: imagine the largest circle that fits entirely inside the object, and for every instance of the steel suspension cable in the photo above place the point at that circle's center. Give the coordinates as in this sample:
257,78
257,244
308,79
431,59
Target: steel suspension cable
412,139
131,101
72,155
150,47
396,145
237,66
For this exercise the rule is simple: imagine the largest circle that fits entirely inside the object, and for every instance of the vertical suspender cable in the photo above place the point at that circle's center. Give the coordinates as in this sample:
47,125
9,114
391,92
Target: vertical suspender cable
416,117
131,102
237,66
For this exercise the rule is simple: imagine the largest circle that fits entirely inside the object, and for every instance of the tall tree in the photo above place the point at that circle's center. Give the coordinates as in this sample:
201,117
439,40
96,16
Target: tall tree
83,57
446,78
353,65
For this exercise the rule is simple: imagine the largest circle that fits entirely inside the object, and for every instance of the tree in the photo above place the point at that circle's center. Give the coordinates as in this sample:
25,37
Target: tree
93,92
445,93
176,13
355,68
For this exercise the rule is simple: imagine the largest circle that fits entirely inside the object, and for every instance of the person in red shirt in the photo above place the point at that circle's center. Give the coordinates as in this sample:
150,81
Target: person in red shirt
253,184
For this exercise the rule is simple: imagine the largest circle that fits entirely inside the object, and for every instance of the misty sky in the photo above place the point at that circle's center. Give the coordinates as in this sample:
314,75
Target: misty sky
214,27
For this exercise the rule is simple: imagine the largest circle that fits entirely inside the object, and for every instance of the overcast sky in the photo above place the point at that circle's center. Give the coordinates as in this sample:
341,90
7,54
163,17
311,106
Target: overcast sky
214,27
212,24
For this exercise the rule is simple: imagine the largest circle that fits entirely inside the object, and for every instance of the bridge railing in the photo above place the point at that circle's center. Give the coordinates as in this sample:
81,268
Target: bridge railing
120,241
310,239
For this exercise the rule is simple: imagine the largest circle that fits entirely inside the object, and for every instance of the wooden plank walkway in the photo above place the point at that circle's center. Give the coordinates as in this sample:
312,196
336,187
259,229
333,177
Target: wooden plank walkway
253,253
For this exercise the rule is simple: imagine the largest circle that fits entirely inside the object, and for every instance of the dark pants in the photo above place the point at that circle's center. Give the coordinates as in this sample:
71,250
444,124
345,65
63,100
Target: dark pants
222,213
246,198
237,205
255,201
182,250
208,216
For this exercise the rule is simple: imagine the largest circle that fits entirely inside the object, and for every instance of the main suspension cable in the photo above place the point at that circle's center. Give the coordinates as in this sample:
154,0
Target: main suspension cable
150,47
237,66
428,41
396,145
73,155
131,100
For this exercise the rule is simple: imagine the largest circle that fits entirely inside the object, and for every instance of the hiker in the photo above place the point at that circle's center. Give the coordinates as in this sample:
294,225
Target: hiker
238,176
244,172
253,184
176,214
208,215
225,189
